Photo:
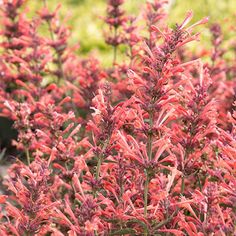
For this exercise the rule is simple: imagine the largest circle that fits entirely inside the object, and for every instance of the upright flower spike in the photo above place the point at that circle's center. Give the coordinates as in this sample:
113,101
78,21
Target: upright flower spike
225,187
58,41
84,81
132,37
19,36
102,125
154,14
155,105
115,19
217,52
12,20
220,71
33,208
197,130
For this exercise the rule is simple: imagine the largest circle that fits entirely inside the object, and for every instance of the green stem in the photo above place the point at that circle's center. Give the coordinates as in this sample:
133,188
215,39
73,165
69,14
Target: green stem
149,153
121,184
183,176
121,190
146,199
150,137
182,184
115,47
98,166
27,156
146,194
100,158
58,55
164,222
114,54
199,182
131,56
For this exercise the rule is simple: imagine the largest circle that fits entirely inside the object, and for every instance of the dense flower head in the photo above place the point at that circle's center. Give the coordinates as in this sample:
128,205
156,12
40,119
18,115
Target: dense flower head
33,208
115,14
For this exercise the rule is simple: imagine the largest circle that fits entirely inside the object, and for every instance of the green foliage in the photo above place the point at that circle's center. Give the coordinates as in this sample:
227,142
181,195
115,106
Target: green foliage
88,27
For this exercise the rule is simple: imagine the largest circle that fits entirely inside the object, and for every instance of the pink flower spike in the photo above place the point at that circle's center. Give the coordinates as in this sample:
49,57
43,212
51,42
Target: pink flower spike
190,39
147,49
156,29
9,106
3,199
201,22
77,184
160,150
23,84
220,213
75,130
171,178
170,112
187,19
52,156
126,198
65,100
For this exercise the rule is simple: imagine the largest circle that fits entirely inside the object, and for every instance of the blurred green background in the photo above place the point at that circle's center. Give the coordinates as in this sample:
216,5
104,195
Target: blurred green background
88,27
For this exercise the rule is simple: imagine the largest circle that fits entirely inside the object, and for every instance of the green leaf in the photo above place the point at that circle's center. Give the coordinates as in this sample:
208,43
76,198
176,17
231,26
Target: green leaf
110,161
141,223
112,220
123,231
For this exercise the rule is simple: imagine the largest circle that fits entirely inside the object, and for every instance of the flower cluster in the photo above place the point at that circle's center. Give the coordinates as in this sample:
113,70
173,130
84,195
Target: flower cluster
144,147
115,19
